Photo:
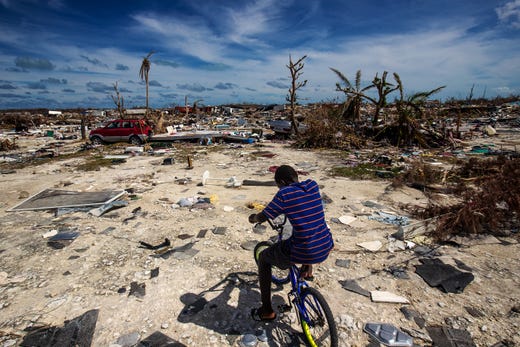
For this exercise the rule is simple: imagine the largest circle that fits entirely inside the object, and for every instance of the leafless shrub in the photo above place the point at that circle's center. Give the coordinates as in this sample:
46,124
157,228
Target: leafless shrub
420,175
7,145
490,202
326,129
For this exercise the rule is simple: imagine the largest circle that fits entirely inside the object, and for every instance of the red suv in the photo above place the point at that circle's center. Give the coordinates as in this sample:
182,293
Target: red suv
135,131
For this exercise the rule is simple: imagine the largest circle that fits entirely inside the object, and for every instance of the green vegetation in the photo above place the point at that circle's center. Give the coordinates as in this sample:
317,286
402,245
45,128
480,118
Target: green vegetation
365,171
96,163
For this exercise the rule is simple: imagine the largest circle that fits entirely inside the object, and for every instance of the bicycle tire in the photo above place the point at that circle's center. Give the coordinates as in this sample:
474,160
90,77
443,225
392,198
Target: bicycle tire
278,276
322,330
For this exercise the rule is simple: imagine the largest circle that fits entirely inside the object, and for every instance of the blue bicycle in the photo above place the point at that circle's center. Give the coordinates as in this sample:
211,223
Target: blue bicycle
313,312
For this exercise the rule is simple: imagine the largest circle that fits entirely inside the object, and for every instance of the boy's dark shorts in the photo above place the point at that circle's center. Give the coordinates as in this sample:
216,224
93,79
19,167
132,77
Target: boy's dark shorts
279,255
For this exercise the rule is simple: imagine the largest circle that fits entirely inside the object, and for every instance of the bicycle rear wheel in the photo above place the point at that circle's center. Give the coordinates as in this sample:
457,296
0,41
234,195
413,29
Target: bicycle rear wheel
278,276
321,329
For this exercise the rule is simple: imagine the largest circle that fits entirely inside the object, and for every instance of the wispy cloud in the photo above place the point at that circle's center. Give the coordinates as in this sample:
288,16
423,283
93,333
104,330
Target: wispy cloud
277,84
52,80
166,63
190,36
195,87
509,13
225,86
122,67
7,86
34,63
223,50
247,24
36,85
154,83
99,87
94,61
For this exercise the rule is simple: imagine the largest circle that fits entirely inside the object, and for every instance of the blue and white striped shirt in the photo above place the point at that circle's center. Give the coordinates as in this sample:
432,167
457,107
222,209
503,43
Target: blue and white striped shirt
311,240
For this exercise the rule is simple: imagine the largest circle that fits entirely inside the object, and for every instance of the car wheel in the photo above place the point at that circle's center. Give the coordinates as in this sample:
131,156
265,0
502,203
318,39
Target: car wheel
135,140
96,140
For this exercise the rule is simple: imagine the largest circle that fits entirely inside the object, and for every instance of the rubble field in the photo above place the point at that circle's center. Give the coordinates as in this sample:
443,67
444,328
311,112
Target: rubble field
165,252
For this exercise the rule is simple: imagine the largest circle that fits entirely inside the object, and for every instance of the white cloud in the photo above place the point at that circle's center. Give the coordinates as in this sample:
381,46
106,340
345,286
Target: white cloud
249,23
424,60
189,36
510,13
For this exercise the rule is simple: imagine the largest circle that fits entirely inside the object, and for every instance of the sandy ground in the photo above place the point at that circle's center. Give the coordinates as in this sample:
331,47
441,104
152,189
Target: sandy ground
40,285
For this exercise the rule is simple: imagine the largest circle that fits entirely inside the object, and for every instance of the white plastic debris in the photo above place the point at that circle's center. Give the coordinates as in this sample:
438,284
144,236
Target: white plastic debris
346,219
372,246
383,296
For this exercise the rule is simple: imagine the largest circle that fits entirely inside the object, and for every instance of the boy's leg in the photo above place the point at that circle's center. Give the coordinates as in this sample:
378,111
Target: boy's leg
264,277
276,255
306,272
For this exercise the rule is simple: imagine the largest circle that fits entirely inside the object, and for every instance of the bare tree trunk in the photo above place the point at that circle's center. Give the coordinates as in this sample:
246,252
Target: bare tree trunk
83,131
295,69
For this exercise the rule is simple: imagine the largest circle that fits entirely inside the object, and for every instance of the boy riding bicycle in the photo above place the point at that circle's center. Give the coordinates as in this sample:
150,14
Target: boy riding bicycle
310,242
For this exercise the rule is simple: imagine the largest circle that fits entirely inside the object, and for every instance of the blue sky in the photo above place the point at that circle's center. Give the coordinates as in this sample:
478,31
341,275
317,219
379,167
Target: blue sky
67,53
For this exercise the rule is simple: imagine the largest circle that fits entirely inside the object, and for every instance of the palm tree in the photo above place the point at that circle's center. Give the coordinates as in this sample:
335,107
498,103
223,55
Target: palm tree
383,89
409,112
143,74
354,94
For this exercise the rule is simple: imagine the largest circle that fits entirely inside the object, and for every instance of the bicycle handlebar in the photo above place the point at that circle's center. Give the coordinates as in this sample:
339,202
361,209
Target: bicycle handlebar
276,226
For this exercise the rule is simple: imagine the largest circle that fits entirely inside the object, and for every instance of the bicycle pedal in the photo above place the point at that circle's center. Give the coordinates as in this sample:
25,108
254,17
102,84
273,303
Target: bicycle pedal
284,308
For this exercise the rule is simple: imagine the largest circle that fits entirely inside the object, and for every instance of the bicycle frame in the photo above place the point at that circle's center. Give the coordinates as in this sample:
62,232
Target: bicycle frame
297,283
312,310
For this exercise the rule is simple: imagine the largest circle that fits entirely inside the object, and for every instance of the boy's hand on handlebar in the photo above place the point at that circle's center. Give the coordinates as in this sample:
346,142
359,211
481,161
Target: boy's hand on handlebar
257,218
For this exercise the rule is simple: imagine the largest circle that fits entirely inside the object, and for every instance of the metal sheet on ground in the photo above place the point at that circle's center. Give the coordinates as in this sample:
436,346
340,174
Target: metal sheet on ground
53,198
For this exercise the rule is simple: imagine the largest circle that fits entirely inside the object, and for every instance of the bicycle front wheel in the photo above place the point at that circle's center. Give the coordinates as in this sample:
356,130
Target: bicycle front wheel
320,328
279,276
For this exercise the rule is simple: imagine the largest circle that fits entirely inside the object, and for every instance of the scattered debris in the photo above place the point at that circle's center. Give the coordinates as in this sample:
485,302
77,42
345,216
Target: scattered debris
49,199
165,243
202,233
137,289
62,239
444,276
219,230
389,218
158,339
258,183
398,272
99,211
76,332
372,246
346,219
182,252
411,314
168,161
353,286
343,263
388,335
230,182
384,296
444,336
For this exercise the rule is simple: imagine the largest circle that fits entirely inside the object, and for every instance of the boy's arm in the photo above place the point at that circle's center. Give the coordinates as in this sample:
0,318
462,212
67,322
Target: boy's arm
257,218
